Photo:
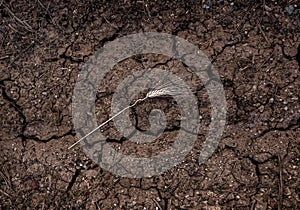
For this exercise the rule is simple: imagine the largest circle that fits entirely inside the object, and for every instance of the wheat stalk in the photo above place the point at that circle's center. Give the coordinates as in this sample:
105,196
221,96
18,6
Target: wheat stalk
155,92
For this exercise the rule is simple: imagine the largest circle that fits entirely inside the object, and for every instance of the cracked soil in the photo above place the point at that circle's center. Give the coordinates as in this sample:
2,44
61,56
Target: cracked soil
255,47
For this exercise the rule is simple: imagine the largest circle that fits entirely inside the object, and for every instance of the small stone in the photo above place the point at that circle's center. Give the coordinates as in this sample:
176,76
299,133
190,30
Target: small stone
205,6
261,108
228,38
290,9
288,192
268,8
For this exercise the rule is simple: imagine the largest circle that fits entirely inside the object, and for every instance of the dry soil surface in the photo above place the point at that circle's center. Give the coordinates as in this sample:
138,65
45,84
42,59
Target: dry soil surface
254,47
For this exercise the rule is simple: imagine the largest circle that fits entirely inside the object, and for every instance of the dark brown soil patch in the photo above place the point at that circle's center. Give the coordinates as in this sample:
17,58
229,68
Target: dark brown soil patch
254,47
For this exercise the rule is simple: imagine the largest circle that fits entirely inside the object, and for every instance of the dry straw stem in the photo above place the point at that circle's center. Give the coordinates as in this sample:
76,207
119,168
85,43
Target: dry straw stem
26,25
160,91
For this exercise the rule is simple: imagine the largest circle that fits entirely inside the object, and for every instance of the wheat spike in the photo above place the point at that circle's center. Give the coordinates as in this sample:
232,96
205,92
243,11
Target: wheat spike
157,91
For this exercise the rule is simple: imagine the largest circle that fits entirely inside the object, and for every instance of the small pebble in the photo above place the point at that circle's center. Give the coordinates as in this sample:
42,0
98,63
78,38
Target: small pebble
290,9
219,2
268,8
261,108
207,5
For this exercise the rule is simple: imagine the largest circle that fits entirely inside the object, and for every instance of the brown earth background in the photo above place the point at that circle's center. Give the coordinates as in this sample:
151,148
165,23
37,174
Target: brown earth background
252,44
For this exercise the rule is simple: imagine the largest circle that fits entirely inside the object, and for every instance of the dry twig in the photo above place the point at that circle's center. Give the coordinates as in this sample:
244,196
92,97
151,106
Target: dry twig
5,193
23,51
47,10
263,33
4,57
155,201
253,205
27,26
6,177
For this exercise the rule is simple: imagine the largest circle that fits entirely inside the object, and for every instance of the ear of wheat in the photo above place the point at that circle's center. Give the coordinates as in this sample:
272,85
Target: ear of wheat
158,92
163,90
